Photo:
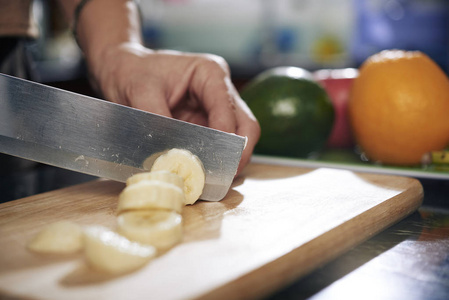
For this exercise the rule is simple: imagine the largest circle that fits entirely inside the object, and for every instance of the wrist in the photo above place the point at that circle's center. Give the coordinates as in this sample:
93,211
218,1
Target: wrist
75,20
104,24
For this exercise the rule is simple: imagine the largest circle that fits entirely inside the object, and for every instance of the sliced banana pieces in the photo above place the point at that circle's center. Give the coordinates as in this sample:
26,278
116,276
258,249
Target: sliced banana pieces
159,228
161,175
107,251
151,194
187,165
61,237
149,217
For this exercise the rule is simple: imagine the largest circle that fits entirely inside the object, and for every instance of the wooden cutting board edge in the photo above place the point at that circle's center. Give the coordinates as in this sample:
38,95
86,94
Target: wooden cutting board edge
281,273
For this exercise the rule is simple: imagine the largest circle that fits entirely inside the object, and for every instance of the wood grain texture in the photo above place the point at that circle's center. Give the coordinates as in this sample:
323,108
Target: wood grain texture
275,225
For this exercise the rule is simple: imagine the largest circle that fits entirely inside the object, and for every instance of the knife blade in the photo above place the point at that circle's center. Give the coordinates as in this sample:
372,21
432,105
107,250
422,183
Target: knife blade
105,139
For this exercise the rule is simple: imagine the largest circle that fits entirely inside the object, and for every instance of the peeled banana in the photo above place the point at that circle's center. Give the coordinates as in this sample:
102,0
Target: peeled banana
151,194
161,175
107,251
187,165
440,157
61,237
159,228
149,217
436,157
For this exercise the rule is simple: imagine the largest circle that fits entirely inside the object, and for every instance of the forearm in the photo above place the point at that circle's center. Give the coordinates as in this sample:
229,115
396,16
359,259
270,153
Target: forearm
103,24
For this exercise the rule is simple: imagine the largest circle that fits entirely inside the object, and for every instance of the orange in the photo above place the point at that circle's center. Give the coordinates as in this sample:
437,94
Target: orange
399,107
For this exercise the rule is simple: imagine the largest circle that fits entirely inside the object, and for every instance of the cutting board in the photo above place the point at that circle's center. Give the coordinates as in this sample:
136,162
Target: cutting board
275,225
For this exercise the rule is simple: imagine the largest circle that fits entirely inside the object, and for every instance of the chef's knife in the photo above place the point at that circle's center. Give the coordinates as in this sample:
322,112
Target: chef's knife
97,137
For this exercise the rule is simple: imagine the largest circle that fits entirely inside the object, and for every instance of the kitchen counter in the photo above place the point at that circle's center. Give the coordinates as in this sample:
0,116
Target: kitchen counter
409,260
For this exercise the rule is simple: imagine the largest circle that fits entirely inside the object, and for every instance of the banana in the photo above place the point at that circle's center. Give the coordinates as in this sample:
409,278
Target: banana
151,194
107,251
161,175
440,157
187,165
435,157
148,220
61,237
159,228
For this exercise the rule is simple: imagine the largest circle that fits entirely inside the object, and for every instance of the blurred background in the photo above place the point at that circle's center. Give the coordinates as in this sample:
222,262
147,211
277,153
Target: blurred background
253,35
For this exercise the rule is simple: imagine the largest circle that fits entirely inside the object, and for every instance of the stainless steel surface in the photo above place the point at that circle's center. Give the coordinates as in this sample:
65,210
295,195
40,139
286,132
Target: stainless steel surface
104,139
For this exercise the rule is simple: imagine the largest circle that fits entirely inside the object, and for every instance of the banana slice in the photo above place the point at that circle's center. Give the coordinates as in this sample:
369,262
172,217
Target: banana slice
107,251
161,229
61,237
151,194
161,175
186,165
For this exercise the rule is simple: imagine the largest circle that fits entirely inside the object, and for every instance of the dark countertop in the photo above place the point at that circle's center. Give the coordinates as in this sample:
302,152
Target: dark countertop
409,260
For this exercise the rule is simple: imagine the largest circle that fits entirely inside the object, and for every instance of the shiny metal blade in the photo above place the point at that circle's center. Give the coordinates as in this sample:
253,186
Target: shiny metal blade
105,139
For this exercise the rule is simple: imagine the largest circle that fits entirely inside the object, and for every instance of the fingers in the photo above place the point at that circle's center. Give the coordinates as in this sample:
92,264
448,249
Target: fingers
226,109
247,126
148,96
221,108
212,85
196,88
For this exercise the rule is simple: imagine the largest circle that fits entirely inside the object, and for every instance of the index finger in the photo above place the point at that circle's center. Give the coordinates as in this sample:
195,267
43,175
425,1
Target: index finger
247,126
213,87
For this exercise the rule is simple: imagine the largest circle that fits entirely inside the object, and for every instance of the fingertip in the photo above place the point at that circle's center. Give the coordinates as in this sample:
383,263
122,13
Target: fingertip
249,127
245,159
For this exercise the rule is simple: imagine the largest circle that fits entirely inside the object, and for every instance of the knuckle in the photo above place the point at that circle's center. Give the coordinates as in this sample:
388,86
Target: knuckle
215,63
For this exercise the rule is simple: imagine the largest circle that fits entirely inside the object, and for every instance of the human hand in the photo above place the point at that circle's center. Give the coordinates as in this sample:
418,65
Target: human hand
196,88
